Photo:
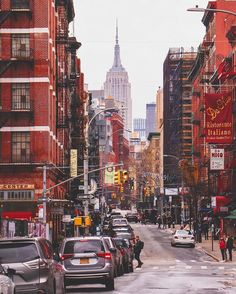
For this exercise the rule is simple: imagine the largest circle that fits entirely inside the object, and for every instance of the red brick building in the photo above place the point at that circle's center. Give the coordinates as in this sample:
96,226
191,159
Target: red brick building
37,82
213,77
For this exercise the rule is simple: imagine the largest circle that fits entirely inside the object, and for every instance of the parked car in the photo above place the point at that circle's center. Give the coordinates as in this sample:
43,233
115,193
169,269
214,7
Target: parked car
116,255
183,237
127,253
123,229
119,222
132,217
87,260
36,269
7,286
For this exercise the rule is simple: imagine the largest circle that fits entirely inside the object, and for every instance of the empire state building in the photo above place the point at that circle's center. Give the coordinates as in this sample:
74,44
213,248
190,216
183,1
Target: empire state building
118,87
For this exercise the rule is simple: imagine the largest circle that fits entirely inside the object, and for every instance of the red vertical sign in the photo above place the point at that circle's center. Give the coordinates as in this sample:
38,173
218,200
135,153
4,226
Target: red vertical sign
219,118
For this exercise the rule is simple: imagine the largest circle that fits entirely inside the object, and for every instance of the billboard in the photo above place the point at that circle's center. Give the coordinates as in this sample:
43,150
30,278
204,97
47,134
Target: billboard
219,118
109,175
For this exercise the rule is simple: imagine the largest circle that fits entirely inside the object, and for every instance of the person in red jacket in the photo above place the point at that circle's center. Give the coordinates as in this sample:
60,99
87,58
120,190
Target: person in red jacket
222,244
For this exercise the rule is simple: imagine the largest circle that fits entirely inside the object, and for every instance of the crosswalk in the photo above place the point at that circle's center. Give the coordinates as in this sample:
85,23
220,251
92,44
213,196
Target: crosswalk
191,267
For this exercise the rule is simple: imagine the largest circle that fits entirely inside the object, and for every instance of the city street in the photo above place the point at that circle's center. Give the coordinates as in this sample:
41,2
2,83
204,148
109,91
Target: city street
170,270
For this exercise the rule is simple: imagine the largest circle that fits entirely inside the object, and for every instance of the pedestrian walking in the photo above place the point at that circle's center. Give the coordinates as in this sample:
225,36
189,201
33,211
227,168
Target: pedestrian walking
230,246
222,245
205,228
159,221
138,246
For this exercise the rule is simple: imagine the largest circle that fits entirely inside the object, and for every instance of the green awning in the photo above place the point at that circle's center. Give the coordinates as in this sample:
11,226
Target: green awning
232,214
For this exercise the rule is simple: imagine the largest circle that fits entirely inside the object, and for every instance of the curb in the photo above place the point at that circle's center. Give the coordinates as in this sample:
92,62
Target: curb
210,254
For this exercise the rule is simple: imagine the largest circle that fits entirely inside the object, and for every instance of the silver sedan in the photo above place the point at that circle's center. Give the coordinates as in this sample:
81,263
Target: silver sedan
183,237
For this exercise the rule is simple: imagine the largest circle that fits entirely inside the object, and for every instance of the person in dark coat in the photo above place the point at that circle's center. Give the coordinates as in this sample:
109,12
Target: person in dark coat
230,246
138,246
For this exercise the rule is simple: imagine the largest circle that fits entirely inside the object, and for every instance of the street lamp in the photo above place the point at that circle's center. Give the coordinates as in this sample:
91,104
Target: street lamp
198,9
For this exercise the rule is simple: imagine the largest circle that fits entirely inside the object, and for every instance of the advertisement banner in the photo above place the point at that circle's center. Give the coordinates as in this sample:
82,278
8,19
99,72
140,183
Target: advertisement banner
109,175
217,159
219,118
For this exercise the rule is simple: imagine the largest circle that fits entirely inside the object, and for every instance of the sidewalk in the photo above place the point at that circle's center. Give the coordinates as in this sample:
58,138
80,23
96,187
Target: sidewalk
206,246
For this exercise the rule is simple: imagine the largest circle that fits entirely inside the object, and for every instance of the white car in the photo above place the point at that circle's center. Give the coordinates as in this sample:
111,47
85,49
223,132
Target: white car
183,237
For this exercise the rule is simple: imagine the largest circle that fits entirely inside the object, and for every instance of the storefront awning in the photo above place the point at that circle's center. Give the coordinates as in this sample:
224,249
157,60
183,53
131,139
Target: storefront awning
20,215
232,215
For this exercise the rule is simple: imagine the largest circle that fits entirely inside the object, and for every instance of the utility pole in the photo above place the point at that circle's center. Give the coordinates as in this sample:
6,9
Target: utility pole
44,194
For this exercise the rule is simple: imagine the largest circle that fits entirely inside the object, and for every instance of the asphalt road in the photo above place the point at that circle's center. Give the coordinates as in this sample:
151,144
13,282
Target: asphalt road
172,270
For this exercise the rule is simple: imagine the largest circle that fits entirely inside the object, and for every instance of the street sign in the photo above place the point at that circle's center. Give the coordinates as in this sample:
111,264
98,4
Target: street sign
66,218
81,187
216,159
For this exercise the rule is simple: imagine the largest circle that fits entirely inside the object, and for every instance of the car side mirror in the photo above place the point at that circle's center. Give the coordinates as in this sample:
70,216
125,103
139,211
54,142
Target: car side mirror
11,272
112,250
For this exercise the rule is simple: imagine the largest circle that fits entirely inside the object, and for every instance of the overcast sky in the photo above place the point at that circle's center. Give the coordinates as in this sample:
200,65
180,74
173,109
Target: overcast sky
147,29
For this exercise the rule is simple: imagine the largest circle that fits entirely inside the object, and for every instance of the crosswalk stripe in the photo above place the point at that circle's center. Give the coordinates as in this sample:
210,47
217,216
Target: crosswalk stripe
203,267
156,267
177,260
221,267
193,260
171,266
188,267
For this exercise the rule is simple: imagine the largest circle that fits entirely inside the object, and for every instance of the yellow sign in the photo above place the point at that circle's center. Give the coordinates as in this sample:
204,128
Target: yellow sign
17,187
73,163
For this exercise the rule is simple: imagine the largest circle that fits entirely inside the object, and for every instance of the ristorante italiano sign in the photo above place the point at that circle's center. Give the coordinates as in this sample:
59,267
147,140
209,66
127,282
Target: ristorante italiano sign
219,118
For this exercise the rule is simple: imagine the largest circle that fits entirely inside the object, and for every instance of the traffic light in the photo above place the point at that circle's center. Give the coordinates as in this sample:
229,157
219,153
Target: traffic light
87,221
125,176
117,179
78,221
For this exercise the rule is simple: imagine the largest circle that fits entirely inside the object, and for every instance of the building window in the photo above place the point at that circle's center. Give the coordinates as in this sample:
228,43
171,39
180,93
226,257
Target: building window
20,97
20,45
1,195
21,147
20,195
19,4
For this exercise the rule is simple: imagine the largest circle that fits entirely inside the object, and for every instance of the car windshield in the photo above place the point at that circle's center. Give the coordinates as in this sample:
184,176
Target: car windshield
83,246
119,221
17,252
183,232
120,242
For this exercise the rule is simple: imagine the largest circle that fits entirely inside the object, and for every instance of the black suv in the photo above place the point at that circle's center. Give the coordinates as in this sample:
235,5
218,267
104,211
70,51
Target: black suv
32,259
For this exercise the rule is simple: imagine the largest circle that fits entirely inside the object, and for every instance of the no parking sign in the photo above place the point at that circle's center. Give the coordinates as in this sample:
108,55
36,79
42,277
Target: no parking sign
217,159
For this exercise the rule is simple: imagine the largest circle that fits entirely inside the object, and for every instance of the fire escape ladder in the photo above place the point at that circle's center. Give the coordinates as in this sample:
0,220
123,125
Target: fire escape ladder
4,15
4,66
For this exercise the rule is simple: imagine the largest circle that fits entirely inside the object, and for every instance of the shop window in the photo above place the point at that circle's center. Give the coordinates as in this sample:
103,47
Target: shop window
20,97
20,195
21,146
1,195
20,45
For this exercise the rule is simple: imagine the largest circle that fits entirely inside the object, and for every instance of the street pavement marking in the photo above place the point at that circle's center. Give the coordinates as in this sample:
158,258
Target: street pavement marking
221,267
171,267
156,267
203,267
193,260
188,267
177,260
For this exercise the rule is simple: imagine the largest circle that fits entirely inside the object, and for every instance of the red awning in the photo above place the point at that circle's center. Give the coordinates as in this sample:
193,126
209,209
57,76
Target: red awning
221,201
20,215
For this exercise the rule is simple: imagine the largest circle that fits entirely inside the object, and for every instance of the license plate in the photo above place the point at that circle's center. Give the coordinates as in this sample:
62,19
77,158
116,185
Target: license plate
84,260
184,237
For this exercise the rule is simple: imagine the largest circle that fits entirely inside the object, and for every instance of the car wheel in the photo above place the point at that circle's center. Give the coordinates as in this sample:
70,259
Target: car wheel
192,245
173,245
126,267
121,270
110,285
131,268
